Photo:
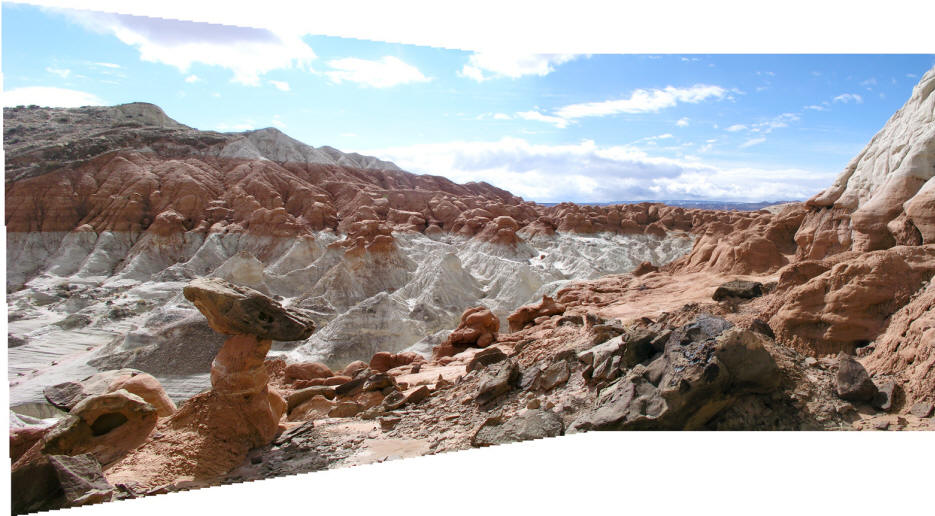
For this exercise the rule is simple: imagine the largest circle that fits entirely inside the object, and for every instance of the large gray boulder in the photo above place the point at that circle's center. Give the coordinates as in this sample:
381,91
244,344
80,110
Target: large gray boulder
532,424
706,364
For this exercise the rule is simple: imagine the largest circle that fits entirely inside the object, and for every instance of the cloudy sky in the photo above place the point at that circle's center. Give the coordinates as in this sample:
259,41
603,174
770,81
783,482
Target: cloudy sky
549,128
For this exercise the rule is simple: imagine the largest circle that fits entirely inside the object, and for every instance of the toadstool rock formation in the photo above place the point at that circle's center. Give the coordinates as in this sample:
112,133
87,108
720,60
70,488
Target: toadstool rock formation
253,320
212,432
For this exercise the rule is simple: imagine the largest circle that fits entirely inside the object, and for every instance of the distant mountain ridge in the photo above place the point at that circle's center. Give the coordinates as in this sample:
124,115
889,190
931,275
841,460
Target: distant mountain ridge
702,205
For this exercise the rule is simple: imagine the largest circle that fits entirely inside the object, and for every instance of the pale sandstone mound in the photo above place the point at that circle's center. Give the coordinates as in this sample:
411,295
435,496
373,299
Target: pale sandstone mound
888,179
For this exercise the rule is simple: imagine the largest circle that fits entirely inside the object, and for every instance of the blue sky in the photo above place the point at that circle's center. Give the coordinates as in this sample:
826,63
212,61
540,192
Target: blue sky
546,127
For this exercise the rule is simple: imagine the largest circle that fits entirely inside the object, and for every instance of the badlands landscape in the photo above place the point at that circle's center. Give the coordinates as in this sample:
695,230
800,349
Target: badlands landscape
191,308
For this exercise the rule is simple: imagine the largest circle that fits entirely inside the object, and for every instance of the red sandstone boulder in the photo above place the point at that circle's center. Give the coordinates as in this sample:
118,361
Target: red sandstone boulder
384,361
478,328
644,268
308,371
354,367
106,426
527,314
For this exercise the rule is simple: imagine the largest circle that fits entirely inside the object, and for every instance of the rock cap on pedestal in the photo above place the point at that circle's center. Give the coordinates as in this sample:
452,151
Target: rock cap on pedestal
235,310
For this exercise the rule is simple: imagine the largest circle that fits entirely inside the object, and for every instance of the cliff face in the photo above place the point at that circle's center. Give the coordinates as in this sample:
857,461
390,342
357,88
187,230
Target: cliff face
885,196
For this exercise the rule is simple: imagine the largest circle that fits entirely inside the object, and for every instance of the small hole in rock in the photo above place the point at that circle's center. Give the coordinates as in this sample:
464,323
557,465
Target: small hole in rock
106,423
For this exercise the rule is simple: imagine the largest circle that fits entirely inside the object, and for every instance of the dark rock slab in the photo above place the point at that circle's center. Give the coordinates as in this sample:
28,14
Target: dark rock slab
81,478
555,375
532,424
922,409
397,399
740,289
494,384
486,357
235,310
853,383
68,394
886,398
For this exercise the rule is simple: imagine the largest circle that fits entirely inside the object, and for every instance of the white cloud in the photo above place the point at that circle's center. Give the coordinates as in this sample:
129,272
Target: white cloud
588,172
482,66
382,73
816,107
277,122
61,72
192,78
107,65
776,122
751,142
644,101
766,126
536,116
502,116
683,122
869,82
49,97
849,97
247,52
280,85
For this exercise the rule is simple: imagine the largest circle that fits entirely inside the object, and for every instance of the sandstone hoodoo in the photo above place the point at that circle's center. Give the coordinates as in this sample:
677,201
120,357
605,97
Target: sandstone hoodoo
190,308
238,373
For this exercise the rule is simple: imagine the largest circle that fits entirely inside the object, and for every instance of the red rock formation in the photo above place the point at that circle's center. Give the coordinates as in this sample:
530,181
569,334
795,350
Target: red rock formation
849,304
307,371
525,315
644,268
478,328
746,246
907,348
384,361
193,181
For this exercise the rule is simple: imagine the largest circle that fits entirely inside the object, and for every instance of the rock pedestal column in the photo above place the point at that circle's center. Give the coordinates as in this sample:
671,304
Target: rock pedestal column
238,367
239,377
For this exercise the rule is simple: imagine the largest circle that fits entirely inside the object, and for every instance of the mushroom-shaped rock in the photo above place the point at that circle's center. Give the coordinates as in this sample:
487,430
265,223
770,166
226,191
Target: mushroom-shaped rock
238,372
235,310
